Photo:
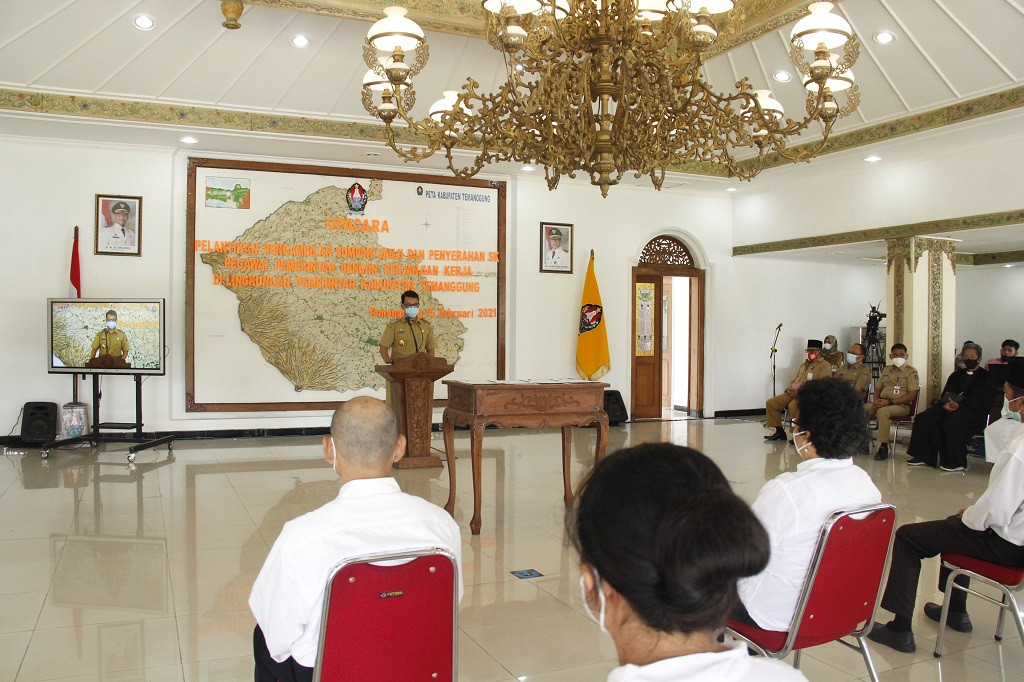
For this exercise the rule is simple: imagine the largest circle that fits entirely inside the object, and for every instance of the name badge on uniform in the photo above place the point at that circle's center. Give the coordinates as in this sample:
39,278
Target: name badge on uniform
896,389
810,375
401,342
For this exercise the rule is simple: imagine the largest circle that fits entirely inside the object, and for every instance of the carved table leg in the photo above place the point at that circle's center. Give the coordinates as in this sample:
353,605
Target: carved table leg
476,436
448,429
566,452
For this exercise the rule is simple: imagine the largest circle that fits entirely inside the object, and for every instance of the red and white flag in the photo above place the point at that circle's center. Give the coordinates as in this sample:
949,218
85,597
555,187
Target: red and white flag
75,280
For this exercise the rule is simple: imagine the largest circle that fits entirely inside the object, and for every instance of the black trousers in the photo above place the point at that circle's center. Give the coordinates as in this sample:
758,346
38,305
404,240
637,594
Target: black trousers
269,670
916,541
941,437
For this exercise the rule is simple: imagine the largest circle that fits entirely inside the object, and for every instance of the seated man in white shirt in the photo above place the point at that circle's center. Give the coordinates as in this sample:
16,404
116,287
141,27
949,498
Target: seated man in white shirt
370,515
831,428
991,529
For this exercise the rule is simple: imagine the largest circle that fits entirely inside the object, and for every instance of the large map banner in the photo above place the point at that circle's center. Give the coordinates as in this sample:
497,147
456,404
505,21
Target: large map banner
293,272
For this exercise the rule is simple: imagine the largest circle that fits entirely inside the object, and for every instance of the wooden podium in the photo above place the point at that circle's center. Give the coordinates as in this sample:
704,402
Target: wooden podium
411,380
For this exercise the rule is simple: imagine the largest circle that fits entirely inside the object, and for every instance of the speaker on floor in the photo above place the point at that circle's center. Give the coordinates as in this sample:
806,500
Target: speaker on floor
39,423
615,408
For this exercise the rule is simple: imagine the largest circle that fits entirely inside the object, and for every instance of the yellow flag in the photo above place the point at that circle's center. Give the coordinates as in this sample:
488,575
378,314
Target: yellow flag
592,359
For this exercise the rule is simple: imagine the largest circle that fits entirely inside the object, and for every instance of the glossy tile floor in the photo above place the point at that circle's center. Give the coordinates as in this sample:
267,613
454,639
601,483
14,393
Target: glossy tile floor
108,573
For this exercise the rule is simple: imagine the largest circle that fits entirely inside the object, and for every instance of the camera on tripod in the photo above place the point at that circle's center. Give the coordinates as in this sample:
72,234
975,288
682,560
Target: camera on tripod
874,317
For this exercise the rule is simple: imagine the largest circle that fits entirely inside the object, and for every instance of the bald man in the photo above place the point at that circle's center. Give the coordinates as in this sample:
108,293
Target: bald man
370,515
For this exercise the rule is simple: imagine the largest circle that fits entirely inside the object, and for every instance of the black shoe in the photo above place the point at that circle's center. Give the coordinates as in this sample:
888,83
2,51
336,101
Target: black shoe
780,434
915,462
900,641
961,622
883,452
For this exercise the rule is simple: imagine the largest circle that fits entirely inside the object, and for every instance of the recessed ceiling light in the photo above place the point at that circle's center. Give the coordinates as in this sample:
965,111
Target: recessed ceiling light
837,253
143,22
872,158
730,189
1008,265
528,168
300,40
188,139
885,37
371,154
782,76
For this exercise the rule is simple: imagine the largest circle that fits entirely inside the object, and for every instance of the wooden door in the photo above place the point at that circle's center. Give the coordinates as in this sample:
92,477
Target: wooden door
646,347
666,343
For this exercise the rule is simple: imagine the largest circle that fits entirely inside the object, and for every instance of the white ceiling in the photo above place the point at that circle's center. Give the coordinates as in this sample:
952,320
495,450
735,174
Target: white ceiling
946,51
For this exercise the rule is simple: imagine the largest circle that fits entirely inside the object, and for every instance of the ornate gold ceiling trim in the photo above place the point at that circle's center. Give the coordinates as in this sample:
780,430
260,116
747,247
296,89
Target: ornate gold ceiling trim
973,222
986,105
997,258
458,17
750,20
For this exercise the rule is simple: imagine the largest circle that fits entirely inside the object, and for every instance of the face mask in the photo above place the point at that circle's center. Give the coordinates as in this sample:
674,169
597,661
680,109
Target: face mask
812,356
334,463
801,448
827,346
971,364
851,359
599,619
412,311
1013,414
899,362
111,324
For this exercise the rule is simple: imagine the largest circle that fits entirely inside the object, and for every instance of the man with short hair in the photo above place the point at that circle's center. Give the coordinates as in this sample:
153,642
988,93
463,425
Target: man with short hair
895,393
1008,350
370,515
814,367
855,371
991,529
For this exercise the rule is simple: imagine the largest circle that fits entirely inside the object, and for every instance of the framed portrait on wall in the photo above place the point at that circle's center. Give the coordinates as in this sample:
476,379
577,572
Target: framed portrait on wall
118,225
556,247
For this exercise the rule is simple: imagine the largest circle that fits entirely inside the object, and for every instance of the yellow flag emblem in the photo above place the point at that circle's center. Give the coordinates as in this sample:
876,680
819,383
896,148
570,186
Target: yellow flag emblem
592,358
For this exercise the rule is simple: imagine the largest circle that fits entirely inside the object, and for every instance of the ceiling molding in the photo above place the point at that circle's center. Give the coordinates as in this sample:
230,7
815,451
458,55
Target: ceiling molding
752,19
986,105
973,222
998,258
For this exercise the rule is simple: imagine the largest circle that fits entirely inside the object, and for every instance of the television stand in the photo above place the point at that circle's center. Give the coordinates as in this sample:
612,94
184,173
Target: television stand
140,440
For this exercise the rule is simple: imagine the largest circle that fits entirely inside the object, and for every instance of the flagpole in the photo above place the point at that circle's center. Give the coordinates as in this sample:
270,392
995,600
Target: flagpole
74,258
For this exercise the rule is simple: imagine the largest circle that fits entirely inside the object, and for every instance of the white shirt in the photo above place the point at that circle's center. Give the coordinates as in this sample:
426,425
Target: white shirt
997,436
721,666
793,507
556,258
999,507
368,516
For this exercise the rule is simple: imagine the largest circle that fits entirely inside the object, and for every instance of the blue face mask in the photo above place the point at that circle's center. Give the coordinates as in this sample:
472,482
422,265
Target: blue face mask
851,359
111,324
1006,408
412,311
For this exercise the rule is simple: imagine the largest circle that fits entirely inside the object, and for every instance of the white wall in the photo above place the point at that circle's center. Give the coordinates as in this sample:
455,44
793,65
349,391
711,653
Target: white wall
988,306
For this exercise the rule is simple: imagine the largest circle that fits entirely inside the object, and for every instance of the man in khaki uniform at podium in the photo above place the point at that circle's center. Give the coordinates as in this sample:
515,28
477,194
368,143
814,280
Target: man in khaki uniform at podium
855,371
407,336
815,367
896,391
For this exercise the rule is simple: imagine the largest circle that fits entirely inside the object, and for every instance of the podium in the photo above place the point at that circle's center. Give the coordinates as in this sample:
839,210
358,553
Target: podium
411,380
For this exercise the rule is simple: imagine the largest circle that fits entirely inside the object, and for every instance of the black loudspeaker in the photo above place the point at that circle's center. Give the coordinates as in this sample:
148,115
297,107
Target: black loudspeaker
39,423
615,408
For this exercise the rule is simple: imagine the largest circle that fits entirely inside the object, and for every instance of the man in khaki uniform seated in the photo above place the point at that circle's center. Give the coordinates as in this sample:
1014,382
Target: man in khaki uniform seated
815,367
895,393
855,371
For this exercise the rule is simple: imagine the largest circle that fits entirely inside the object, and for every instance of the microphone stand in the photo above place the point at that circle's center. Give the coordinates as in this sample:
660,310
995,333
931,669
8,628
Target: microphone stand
774,351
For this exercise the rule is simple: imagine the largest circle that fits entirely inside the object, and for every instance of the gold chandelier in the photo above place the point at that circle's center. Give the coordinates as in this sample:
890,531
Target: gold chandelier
607,87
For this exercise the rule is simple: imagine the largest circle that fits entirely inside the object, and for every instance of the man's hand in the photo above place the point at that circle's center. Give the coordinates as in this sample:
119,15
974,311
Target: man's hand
791,392
881,402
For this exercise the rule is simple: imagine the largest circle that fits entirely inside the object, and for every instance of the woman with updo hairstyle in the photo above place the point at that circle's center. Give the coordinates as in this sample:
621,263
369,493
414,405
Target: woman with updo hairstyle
662,540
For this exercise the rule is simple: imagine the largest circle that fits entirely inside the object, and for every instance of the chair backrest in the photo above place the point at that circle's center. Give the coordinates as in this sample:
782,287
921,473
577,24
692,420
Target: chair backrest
390,617
844,581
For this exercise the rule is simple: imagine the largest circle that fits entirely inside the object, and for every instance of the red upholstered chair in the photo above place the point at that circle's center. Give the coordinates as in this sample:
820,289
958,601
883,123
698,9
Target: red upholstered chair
390,617
1006,579
844,584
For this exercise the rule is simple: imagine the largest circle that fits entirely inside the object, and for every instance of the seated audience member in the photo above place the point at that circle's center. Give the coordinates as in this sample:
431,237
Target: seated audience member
1008,350
991,529
831,353
832,427
895,393
855,371
940,433
662,539
815,367
958,359
371,514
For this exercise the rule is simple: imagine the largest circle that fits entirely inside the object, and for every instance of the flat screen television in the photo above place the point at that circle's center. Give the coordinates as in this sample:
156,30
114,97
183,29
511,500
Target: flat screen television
81,342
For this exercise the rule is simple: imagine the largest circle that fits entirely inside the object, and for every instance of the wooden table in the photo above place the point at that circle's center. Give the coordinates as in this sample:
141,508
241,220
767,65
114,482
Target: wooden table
530,405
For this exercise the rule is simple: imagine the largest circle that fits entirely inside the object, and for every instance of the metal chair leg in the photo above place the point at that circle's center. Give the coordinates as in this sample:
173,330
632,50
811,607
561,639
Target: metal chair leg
999,621
796,660
867,658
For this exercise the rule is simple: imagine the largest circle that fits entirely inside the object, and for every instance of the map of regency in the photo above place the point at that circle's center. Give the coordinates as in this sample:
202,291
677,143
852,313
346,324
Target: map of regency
316,300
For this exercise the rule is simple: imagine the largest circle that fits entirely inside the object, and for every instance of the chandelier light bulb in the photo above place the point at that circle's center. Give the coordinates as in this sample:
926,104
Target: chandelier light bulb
771,106
712,6
395,31
822,28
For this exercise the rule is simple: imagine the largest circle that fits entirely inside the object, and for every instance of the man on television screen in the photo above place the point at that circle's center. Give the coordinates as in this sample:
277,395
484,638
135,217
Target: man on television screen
110,346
